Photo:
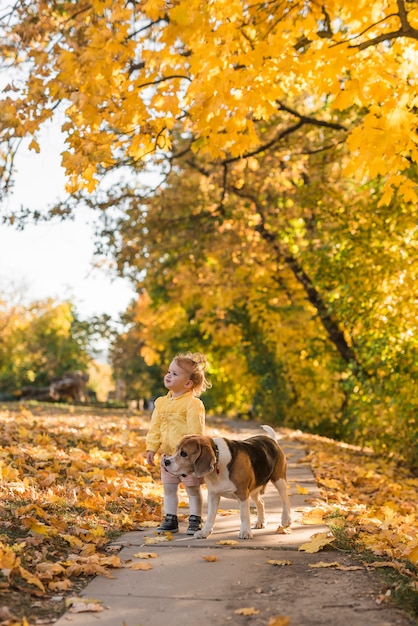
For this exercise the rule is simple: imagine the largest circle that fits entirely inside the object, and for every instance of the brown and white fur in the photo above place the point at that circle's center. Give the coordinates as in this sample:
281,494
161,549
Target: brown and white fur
234,469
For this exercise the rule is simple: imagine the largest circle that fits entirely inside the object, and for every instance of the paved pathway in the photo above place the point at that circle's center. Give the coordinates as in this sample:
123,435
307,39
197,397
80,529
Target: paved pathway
184,589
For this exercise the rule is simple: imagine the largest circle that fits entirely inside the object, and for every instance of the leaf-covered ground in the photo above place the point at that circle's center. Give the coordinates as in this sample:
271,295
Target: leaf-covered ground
371,504
72,479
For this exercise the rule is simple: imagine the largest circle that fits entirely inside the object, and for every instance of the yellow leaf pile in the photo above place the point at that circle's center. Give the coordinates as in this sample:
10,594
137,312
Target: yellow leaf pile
69,480
371,496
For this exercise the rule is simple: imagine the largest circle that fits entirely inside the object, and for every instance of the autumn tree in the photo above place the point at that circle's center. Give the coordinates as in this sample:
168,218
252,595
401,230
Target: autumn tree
287,134
125,75
142,381
300,273
40,340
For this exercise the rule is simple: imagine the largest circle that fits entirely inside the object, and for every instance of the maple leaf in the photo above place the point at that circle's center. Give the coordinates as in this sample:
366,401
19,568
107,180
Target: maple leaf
317,542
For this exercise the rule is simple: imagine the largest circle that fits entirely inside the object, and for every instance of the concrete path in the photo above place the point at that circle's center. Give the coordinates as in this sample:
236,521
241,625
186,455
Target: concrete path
240,586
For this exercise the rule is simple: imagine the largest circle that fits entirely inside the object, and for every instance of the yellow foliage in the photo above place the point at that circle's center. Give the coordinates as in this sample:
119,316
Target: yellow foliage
215,70
371,496
71,518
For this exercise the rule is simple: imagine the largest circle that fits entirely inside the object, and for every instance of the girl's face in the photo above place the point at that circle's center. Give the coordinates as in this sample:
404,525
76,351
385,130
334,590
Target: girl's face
177,380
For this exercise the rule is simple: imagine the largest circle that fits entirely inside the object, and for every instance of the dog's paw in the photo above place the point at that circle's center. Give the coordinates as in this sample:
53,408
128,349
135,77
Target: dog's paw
245,534
201,534
260,525
286,521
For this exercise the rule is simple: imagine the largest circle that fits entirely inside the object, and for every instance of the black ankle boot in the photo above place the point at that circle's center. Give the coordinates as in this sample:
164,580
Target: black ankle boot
170,524
195,524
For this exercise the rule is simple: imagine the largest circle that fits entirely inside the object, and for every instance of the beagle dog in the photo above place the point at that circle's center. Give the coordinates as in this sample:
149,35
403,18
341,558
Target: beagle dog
234,469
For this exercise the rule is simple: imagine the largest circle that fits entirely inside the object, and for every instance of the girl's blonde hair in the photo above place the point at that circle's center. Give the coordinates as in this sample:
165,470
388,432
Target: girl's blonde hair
195,364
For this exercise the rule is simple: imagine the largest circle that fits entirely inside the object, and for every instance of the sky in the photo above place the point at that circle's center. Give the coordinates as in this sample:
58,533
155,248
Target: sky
55,259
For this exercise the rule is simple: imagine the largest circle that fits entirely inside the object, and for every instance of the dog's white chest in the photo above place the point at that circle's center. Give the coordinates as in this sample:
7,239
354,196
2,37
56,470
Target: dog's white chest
218,482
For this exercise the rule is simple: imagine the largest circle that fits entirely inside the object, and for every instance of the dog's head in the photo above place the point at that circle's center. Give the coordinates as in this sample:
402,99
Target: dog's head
194,455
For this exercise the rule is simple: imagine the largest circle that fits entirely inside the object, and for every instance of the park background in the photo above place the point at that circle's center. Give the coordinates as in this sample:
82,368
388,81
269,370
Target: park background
244,176
258,205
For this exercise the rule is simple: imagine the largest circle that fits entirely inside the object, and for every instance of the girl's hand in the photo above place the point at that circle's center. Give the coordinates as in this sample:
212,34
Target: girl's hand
150,457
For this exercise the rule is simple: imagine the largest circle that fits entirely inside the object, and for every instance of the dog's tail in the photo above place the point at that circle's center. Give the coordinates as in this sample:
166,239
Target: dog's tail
270,432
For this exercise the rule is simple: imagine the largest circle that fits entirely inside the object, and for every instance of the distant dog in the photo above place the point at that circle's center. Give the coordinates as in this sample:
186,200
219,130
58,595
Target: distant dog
234,469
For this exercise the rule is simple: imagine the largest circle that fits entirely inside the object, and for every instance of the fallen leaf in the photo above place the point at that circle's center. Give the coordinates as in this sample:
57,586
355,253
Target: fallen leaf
139,566
313,516
158,539
393,564
32,580
48,569
228,542
60,585
317,542
279,620
323,564
336,565
247,611
86,607
74,542
145,555
111,561
302,490
211,558
41,529
274,562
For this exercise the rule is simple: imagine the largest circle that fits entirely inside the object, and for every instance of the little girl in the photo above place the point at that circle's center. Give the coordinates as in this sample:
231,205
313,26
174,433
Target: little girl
179,413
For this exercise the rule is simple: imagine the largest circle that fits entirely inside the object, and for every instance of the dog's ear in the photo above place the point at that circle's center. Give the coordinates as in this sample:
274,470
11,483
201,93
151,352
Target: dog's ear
206,461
